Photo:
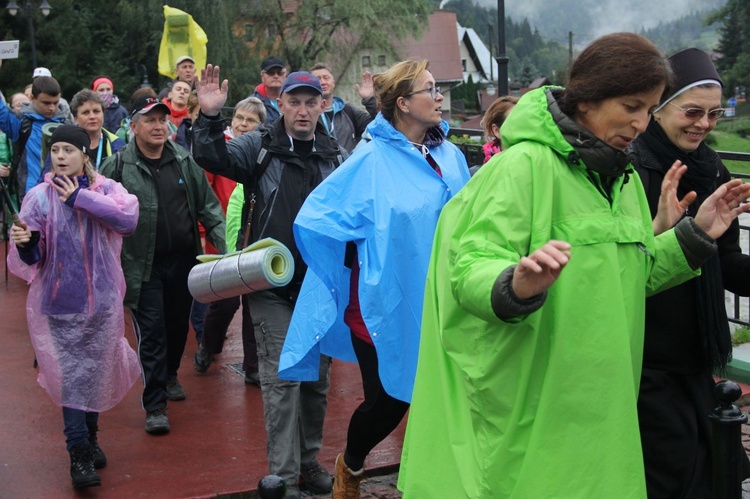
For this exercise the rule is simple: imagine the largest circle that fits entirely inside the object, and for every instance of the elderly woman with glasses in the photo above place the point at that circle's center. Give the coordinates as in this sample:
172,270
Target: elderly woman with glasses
366,233
687,332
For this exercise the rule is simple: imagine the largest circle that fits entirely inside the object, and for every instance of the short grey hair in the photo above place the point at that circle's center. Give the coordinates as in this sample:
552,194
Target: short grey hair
252,104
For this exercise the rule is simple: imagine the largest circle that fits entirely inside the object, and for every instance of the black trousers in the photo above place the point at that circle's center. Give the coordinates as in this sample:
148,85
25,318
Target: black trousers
676,433
377,416
161,323
218,317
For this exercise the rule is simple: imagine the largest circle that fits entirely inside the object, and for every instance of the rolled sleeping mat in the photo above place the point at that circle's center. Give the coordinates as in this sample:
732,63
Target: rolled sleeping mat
263,265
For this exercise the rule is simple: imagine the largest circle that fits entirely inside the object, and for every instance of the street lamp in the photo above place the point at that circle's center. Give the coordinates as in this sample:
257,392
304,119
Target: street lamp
502,57
28,12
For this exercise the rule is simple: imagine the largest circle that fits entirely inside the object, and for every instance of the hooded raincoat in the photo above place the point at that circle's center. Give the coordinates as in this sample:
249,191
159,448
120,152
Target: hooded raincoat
542,405
386,198
74,306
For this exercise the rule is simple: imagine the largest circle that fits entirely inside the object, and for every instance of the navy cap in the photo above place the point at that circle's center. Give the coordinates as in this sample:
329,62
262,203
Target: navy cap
301,79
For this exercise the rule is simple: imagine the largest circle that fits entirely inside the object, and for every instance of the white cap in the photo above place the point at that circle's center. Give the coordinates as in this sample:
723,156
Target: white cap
41,72
182,59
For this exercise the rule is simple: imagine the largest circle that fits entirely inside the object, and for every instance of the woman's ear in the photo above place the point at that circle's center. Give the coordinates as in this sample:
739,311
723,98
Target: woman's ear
496,131
402,105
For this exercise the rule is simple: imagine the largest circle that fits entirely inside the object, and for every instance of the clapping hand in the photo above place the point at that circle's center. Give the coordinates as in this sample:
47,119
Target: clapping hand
671,208
720,209
211,95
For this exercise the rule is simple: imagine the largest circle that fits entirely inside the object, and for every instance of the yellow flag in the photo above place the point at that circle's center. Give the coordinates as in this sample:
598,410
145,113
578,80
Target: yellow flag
182,36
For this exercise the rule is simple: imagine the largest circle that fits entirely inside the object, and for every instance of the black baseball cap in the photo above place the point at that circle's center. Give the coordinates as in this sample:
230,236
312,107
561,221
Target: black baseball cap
271,62
147,103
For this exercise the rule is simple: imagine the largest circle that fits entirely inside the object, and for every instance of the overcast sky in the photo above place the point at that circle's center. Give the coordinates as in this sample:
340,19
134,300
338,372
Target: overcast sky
607,16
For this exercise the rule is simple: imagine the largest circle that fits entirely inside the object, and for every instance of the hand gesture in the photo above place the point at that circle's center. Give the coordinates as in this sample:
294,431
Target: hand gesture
720,209
367,89
211,95
20,233
671,208
65,186
537,272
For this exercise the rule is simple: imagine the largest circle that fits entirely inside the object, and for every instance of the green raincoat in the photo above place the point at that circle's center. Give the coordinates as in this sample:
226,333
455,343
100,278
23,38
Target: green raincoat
543,405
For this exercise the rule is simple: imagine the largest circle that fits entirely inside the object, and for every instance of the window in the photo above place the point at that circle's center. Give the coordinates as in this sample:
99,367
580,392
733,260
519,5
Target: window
249,32
381,60
365,61
463,64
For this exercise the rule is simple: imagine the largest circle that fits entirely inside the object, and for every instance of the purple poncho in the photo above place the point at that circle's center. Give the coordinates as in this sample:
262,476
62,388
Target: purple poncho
74,306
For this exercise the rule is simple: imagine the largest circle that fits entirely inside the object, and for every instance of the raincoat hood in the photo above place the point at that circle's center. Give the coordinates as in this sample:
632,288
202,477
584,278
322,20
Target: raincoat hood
538,118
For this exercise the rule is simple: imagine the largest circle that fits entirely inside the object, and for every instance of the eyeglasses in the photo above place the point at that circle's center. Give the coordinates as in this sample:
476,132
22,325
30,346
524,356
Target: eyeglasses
275,71
434,91
693,113
242,119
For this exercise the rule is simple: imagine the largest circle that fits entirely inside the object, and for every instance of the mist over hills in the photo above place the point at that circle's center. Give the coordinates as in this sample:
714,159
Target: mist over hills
588,19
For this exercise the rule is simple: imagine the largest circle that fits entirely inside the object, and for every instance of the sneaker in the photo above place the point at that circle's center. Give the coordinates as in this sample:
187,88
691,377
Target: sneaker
252,379
175,391
202,360
345,481
100,460
157,422
82,472
315,478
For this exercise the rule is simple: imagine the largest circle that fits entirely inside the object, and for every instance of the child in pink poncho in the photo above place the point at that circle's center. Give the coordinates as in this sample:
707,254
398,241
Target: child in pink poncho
67,247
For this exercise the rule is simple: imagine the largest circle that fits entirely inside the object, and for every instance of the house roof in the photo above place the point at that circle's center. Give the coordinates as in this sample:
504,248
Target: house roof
439,44
480,54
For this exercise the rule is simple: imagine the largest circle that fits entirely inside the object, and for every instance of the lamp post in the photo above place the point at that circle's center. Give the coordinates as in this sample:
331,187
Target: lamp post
28,12
502,57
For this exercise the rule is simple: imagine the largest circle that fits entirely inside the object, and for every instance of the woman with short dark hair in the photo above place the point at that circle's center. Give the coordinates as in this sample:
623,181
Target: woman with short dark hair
532,332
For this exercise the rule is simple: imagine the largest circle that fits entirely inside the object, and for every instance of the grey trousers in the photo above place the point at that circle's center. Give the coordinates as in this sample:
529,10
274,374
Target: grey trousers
294,411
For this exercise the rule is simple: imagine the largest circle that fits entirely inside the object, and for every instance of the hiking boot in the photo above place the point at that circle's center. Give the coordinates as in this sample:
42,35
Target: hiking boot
175,391
100,460
345,481
82,470
157,422
315,478
202,360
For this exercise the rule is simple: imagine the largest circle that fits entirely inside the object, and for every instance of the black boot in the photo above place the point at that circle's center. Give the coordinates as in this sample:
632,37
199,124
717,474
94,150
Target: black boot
100,460
82,467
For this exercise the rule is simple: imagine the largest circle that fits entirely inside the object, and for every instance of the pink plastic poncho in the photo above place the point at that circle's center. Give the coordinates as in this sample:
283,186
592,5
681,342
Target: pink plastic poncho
74,305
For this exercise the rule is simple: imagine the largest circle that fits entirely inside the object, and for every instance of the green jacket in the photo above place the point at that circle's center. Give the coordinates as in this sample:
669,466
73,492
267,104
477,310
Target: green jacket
542,405
138,249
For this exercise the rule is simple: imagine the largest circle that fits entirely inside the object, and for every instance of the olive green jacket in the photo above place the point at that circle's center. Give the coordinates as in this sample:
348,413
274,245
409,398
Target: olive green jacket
138,250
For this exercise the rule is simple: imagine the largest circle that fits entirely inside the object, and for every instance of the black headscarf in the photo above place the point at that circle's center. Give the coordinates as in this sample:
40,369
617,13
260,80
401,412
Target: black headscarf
703,177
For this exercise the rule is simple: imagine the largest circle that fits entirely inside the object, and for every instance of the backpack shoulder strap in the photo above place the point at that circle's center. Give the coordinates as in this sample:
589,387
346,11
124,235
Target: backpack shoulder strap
118,166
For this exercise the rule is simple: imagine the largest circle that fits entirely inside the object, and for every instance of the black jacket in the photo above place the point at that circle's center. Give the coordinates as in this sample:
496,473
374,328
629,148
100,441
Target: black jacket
283,186
672,341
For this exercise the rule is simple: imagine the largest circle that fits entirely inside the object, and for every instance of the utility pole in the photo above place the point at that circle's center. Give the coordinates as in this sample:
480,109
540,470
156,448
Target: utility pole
502,58
570,52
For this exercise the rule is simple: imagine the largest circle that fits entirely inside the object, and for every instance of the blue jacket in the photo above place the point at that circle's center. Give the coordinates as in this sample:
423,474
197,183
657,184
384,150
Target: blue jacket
386,198
29,166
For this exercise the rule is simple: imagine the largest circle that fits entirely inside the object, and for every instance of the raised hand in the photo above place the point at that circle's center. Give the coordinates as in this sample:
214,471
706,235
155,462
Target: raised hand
366,90
211,95
535,273
671,208
65,186
720,209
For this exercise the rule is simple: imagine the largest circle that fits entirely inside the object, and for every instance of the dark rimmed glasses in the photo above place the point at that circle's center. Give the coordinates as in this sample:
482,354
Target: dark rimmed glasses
434,91
694,113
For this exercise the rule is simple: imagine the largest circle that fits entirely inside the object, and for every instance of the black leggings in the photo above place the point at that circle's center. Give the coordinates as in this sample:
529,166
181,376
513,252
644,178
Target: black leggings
377,416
